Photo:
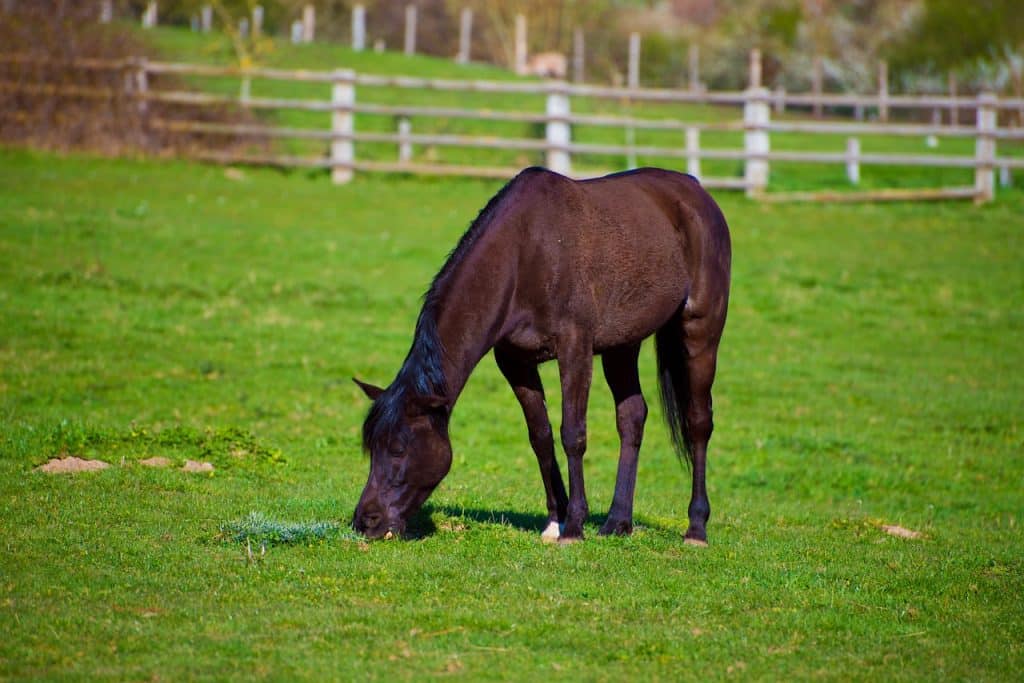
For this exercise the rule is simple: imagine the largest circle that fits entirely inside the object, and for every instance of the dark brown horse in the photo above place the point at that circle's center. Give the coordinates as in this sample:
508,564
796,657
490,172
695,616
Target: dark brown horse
554,268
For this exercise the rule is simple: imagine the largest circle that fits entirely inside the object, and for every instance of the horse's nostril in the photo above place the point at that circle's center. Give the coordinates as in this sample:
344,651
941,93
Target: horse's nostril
372,520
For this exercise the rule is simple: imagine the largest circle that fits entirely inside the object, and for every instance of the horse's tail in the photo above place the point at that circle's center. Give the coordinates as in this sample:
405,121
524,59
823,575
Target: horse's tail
674,383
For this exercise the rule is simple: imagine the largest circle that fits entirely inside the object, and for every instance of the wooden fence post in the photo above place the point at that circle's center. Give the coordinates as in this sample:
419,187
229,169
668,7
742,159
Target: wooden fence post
206,18
557,128
578,55
693,151
780,99
257,20
243,28
883,90
520,46
633,71
853,160
954,112
410,29
245,89
694,80
343,99
755,69
308,23
404,144
297,31
106,11
358,28
985,149
817,83
149,15
465,36
756,117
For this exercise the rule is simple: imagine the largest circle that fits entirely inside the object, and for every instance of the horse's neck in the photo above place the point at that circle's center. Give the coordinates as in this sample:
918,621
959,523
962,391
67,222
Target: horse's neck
471,313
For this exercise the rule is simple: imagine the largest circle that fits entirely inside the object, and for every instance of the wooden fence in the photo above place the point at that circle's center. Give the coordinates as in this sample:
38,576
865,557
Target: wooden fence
557,121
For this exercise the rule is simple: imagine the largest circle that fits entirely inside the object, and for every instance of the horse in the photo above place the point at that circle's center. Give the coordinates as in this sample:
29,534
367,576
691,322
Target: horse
559,269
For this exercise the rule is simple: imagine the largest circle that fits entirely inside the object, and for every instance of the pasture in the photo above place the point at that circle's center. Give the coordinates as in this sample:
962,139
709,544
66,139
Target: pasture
869,376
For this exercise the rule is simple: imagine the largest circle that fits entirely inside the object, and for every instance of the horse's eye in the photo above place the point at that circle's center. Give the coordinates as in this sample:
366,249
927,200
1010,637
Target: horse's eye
396,448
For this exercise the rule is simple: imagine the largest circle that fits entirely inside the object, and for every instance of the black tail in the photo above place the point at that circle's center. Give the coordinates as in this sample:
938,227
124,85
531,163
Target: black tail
674,382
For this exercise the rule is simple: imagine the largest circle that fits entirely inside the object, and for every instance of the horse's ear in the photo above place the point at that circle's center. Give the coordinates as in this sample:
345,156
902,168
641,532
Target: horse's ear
372,392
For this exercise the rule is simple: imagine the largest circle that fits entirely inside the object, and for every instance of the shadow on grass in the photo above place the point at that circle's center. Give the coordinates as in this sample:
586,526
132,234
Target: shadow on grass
422,526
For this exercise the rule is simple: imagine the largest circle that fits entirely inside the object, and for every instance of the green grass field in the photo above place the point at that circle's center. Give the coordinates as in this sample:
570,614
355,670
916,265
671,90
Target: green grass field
870,375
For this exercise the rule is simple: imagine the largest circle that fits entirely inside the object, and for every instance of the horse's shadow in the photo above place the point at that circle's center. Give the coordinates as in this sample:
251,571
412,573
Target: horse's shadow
422,524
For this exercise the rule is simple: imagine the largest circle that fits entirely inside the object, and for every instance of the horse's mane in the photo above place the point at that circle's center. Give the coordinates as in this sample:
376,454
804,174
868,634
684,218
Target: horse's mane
422,372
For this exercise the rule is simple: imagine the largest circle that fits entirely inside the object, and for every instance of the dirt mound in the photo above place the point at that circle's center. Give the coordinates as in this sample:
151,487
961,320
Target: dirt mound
195,466
156,461
72,464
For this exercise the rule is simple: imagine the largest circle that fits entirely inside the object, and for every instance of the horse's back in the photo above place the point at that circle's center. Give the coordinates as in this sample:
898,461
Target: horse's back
621,253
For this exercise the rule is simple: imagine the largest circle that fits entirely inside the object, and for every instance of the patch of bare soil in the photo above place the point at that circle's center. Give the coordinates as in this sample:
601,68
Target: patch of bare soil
156,461
196,466
902,532
72,464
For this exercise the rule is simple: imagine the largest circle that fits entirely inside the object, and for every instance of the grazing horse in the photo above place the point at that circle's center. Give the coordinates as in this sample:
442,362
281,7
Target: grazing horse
555,268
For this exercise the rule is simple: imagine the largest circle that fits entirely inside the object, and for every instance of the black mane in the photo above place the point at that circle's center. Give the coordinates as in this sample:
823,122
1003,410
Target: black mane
422,372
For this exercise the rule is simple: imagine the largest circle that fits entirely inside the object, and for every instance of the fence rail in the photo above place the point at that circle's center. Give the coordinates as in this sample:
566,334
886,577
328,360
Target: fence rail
558,120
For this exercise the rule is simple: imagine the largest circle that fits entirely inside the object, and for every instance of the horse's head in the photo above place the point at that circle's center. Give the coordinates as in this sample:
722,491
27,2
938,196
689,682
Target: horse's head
407,438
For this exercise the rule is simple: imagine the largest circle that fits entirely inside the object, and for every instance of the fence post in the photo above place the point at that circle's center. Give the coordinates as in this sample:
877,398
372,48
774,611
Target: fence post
257,20
853,160
755,69
308,23
297,32
578,55
694,68
149,15
243,28
410,29
106,11
140,84
954,112
245,89
756,116
520,45
557,129
883,90
358,28
985,149
343,99
633,71
404,145
817,83
206,18
465,35
693,151
780,99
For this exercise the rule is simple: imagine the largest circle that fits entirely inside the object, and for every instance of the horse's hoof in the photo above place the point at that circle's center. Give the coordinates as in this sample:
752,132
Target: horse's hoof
695,541
552,533
622,527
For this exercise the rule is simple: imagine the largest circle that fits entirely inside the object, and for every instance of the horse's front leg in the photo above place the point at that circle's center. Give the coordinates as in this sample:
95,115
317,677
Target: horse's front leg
575,367
525,382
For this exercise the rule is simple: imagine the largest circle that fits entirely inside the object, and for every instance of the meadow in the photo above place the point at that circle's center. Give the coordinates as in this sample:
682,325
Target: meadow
870,375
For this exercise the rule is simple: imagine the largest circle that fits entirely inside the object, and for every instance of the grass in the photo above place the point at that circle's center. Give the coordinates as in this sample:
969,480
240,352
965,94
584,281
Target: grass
870,375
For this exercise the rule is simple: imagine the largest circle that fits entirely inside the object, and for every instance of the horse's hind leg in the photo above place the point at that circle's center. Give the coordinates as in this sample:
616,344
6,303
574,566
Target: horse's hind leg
525,382
702,335
620,370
